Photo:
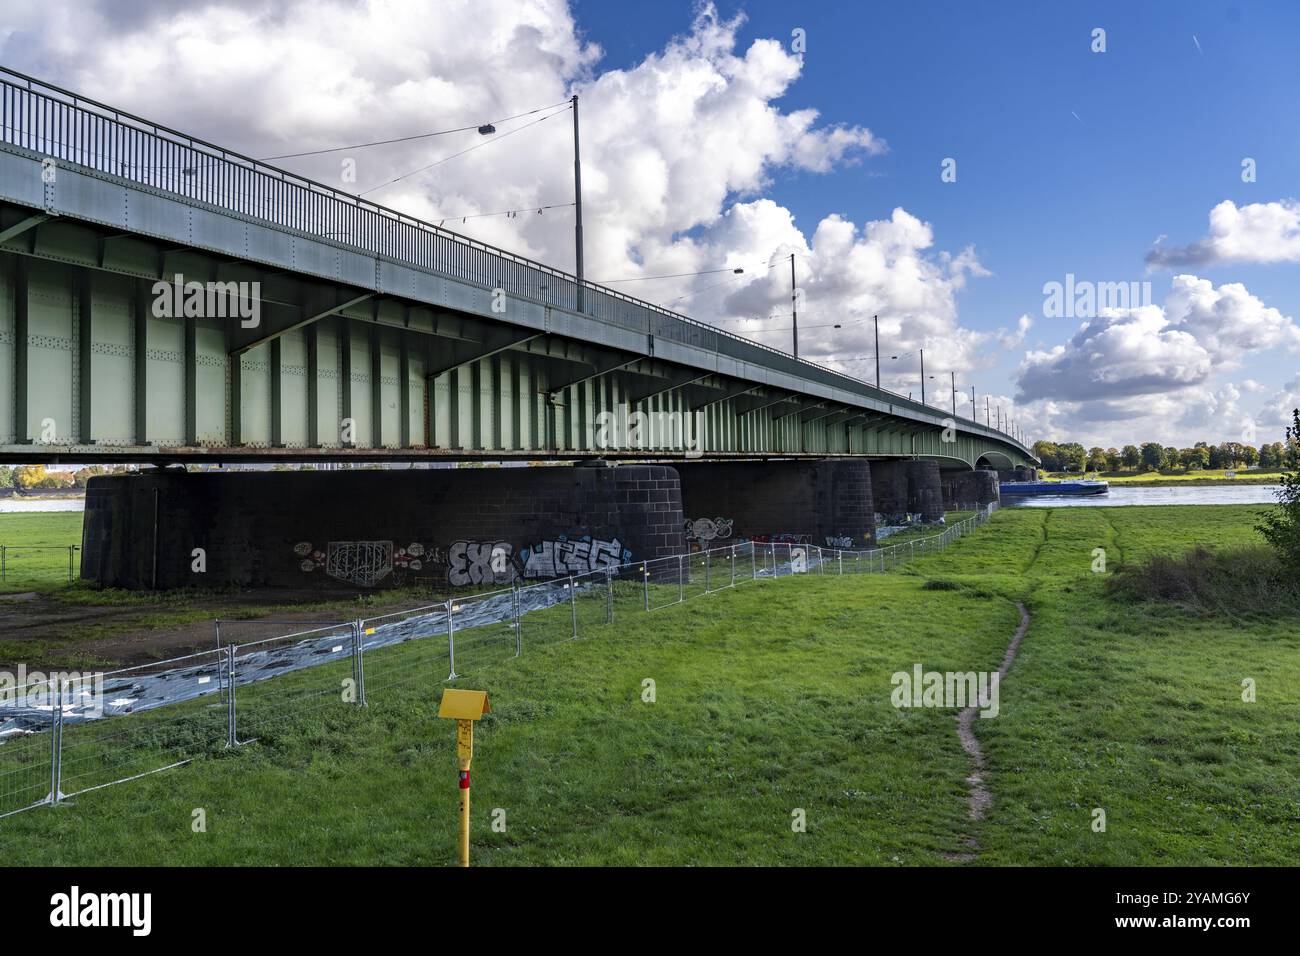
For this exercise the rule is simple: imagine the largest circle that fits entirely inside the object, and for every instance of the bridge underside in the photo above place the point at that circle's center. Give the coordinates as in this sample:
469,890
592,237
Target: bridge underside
89,372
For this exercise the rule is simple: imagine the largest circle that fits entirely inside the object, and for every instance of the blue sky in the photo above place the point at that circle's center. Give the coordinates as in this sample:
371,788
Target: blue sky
1161,129
699,153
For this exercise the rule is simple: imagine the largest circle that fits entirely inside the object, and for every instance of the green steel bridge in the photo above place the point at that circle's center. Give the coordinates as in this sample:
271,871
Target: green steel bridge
332,328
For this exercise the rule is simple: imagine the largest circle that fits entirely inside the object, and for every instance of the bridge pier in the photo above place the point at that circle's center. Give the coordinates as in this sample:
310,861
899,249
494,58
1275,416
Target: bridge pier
376,529
825,502
964,490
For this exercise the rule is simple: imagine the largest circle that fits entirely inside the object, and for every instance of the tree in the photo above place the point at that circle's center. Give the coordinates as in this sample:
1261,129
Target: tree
1131,457
1096,459
1153,454
6,476
29,476
1047,453
1281,527
1112,459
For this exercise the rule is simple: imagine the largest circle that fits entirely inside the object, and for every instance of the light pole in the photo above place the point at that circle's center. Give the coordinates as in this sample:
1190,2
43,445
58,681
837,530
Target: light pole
922,376
954,393
577,204
875,319
988,421
794,306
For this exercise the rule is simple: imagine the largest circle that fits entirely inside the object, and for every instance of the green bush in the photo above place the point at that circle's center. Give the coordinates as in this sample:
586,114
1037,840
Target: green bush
1235,582
1281,527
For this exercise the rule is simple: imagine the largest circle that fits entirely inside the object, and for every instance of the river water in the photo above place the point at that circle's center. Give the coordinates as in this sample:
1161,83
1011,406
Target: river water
1120,495
41,504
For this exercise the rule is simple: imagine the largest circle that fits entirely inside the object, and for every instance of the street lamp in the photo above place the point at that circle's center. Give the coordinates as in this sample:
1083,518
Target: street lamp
487,129
794,306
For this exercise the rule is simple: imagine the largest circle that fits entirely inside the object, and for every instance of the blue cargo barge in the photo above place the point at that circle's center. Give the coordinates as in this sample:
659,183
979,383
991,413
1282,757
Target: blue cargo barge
1081,487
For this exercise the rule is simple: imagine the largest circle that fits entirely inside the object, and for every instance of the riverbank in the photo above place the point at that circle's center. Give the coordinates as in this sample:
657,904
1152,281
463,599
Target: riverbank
1188,479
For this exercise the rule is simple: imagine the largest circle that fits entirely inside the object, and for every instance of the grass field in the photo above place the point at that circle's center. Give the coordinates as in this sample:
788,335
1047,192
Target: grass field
772,697
36,549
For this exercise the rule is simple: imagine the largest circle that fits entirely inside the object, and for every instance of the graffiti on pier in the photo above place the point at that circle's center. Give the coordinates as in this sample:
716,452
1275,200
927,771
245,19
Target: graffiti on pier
563,556
708,529
480,562
364,563
839,541
785,538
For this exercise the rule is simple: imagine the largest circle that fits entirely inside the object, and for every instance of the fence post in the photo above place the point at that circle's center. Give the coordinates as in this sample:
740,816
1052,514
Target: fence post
839,556
708,568
733,565
70,547
645,585
451,641
3,563
359,645
573,606
56,741
609,596
517,618
232,739
221,669
753,563
681,581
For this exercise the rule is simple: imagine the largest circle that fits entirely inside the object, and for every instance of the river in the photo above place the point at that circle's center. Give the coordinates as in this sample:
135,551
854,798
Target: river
1120,495
41,504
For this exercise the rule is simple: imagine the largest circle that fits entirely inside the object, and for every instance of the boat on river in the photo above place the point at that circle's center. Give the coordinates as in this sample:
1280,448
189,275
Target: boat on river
1042,488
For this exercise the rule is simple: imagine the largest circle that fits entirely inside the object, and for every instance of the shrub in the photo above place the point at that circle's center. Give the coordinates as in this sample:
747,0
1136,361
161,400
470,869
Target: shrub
1237,582
1281,527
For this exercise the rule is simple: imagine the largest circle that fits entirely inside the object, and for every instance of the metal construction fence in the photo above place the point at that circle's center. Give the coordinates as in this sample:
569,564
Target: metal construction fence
32,565
68,734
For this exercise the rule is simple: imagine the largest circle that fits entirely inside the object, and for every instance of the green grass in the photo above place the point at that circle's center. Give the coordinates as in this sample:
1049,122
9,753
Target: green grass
36,549
770,697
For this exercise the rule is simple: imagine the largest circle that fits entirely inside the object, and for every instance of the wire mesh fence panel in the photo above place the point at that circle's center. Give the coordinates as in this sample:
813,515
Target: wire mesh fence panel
593,602
745,558
409,647
483,630
135,721
659,582
546,614
312,670
33,566
27,735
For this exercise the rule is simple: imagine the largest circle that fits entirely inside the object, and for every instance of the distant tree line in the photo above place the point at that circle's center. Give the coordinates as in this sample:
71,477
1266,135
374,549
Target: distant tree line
1153,456
38,476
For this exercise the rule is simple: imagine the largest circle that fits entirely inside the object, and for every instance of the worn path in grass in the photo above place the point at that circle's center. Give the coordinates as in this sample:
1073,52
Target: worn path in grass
1133,710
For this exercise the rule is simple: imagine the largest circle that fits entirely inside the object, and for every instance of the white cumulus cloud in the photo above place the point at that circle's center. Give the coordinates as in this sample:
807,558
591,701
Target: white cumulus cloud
1257,232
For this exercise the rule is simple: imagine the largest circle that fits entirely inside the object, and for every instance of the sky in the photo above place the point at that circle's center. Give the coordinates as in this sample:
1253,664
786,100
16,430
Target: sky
1086,212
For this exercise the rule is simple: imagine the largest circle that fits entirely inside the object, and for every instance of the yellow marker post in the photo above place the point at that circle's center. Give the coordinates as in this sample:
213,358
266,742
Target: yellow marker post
464,707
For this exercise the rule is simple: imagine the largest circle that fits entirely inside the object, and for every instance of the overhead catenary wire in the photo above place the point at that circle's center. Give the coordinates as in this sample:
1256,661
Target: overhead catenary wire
416,136
468,149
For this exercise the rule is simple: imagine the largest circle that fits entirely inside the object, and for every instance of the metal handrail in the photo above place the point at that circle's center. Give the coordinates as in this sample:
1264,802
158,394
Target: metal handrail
41,113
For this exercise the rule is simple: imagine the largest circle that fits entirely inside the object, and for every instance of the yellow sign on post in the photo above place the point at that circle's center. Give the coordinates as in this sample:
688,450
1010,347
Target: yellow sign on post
464,707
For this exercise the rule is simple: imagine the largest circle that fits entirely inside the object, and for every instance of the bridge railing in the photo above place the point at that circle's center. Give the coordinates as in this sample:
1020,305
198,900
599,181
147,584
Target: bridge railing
62,125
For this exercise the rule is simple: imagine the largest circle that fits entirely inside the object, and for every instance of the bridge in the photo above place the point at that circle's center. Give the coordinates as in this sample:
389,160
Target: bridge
167,301
377,335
